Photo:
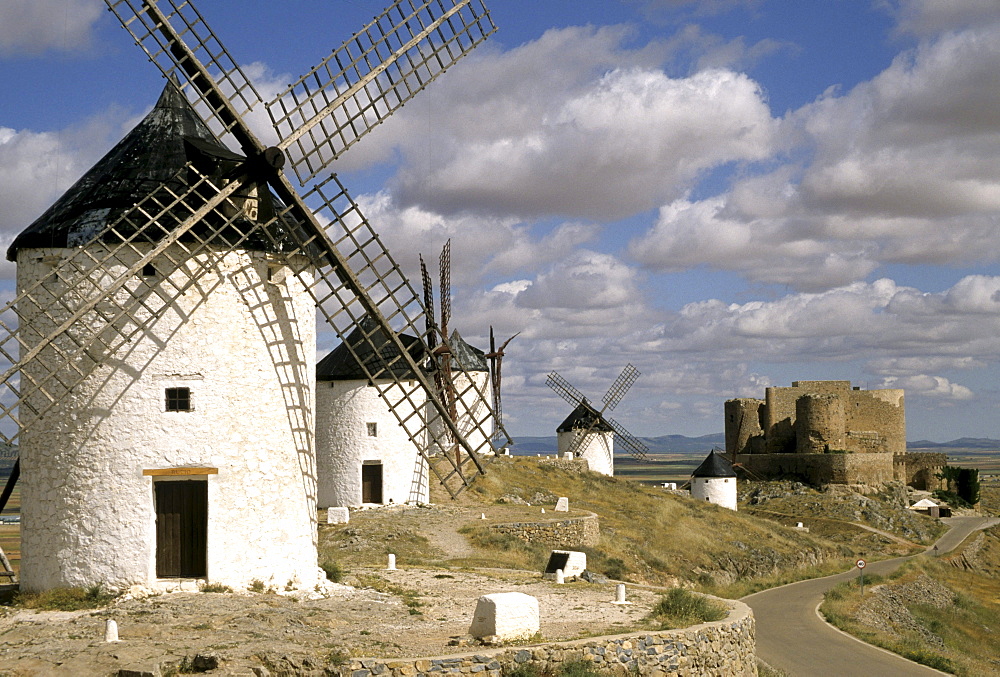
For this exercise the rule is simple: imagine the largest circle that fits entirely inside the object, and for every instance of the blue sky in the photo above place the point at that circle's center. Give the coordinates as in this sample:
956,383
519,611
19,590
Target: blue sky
729,194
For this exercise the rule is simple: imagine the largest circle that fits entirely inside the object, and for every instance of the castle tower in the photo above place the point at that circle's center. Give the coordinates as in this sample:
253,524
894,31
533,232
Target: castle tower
743,417
819,423
186,453
598,449
714,481
363,455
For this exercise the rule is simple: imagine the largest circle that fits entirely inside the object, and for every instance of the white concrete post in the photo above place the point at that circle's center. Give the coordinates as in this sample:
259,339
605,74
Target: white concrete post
620,593
111,631
560,577
392,562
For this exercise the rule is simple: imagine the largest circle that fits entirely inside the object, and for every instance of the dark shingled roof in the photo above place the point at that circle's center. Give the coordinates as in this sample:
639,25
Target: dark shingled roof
582,418
468,357
150,155
341,365
715,465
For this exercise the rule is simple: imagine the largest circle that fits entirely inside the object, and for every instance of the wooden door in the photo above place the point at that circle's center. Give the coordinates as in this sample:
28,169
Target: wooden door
181,529
371,483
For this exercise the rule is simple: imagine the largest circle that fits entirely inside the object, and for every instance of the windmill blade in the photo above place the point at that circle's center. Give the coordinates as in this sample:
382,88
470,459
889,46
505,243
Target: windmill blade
444,262
178,41
429,322
628,440
563,388
620,387
371,75
357,276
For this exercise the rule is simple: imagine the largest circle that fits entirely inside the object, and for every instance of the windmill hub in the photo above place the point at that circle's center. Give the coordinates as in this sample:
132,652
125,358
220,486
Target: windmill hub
273,157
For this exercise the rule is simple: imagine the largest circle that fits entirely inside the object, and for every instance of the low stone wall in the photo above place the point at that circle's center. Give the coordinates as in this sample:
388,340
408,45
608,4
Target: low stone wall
920,469
563,533
725,648
823,468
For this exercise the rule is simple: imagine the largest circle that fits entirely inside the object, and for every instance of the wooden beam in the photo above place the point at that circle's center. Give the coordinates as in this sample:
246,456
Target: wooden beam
161,472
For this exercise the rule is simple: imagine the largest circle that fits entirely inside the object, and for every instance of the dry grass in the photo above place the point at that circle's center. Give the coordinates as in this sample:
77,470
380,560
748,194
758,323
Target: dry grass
967,627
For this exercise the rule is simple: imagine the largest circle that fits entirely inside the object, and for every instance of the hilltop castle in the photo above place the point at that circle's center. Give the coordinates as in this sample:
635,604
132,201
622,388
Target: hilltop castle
827,433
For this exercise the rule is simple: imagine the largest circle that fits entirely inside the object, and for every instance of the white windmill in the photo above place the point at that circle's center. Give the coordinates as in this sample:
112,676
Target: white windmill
587,433
159,382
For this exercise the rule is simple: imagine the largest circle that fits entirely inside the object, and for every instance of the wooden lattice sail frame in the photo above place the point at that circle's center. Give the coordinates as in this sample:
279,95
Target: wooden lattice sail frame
321,236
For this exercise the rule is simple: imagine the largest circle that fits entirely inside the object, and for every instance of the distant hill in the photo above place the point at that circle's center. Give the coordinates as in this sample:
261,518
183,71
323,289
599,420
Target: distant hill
680,444
665,444
960,443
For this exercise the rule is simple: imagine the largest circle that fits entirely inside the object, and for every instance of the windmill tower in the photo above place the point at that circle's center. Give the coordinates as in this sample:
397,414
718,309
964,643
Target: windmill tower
587,433
460,371
159,382
363,455
715,481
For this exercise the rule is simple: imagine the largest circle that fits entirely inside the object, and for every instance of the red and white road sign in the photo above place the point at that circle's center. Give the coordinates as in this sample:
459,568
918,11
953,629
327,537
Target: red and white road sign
861,564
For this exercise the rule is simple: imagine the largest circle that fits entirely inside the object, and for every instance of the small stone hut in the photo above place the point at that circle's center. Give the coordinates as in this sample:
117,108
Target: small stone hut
715,481
363,455
185,453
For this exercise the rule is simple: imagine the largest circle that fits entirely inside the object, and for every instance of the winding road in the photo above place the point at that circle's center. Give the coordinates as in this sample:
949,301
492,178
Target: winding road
793,637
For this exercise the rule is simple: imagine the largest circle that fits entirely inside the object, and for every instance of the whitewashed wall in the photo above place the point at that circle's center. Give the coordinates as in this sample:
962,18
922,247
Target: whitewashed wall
343,411
717,490
245,347
474,420
598,449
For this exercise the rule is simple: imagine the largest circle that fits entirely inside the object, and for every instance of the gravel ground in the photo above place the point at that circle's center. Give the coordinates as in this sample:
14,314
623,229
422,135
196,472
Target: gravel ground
298,635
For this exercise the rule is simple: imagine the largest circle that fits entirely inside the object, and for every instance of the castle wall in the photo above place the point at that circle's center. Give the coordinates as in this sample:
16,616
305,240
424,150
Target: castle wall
823,468
244,346
345,409
920,470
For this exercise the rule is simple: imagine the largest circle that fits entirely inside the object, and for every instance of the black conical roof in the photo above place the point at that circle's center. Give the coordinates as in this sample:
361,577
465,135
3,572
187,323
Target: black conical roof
582,418
341,365
714,465
149,156
466,356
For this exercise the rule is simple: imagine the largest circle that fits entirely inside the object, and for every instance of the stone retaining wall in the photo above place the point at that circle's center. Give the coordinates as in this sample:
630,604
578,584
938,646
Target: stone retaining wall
725,648
565,533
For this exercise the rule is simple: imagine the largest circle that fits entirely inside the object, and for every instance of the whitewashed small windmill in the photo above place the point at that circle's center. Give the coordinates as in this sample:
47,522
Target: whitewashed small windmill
587,433
159,382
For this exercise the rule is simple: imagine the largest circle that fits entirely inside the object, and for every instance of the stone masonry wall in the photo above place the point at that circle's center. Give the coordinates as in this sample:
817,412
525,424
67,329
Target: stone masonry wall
920,470
565,533
823,468
725,648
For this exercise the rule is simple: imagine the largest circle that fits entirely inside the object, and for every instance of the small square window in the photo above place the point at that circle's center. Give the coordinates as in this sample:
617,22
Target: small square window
149,270
373,430
178,399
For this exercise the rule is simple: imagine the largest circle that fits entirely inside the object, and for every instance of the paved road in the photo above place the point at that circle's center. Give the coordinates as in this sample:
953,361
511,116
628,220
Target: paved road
791,635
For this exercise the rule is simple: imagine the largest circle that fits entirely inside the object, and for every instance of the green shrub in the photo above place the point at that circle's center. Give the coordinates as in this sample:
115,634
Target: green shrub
680,608
256,585
65,599
215,587
333,571
578,669
523,670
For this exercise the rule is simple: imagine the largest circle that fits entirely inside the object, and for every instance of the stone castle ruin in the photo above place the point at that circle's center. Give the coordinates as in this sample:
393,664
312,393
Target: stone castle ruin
827,432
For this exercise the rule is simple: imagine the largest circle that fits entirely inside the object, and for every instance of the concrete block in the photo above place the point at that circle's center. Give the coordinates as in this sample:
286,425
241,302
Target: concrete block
505,616
562,505
338,516
571,562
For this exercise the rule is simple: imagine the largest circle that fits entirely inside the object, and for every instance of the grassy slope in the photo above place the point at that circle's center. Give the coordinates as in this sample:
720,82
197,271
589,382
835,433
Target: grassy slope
649,535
